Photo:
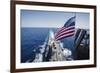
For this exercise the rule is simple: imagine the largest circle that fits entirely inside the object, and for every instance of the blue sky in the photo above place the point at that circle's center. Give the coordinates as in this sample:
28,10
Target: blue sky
33,18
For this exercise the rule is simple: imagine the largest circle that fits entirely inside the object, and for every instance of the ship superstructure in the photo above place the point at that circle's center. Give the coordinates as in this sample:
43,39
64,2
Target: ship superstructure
53,50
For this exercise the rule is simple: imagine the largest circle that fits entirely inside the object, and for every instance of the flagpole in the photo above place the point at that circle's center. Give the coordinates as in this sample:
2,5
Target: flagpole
75,17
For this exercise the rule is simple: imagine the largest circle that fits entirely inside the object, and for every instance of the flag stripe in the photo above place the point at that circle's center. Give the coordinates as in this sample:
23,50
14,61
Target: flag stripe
65,32
64,29
66,35
71,24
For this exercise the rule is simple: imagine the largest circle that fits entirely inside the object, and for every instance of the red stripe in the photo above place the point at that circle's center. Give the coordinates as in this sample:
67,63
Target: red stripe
59,30
64,29
66,35
65,32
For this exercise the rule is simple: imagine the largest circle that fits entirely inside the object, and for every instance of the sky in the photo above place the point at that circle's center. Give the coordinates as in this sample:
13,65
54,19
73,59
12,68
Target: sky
52,19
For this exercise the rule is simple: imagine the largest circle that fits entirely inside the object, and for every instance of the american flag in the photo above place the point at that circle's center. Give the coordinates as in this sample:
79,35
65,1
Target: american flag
67,30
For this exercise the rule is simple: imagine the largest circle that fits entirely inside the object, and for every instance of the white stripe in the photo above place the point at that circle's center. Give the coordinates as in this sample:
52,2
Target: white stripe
59,29
66,28
64,36
64,32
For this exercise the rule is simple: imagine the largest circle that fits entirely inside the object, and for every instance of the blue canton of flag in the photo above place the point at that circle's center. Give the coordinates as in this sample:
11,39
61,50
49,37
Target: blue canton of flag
67,30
